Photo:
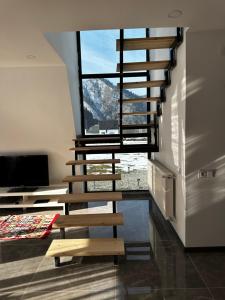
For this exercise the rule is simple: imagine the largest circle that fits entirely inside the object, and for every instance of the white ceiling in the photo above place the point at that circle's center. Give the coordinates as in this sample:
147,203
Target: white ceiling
22,22
70,15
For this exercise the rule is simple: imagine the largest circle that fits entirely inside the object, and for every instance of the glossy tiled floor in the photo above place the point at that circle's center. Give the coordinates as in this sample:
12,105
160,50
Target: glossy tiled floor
160,272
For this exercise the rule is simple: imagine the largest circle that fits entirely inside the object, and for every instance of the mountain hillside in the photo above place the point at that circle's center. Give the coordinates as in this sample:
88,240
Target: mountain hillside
101,103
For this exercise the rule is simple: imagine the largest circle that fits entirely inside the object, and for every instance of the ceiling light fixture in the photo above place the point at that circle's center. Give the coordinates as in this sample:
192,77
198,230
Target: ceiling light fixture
176,13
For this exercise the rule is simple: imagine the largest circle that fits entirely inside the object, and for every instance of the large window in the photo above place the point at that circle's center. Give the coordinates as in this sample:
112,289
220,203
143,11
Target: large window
100,106
132,167
99,60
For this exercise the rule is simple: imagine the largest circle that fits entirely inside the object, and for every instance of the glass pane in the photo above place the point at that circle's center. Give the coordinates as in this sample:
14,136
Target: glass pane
94,186
134,56
139,55
163,31
134,33
101,106
133,167
161,54
138,92
135,107
131,210
98,51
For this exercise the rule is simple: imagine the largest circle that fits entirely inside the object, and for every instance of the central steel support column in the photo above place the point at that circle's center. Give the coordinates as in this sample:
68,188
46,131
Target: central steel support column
121,86
149,130
114,206
85,173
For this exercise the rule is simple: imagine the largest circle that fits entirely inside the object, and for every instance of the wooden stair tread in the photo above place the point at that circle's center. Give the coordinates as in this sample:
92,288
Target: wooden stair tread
138,66
83,197
140,113
86,247
91,197
92,162
108,219
138,126
137,100
91,140
147,43
98,177
143,84
95,148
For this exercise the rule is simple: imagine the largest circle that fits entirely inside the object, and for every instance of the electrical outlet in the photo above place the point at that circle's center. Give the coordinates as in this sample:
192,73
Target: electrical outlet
206,173
202,174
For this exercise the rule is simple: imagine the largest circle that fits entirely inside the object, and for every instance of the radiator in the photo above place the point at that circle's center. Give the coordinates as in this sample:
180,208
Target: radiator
161,183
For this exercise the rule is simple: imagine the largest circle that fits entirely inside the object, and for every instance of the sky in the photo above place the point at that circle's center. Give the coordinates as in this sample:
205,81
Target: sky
99,55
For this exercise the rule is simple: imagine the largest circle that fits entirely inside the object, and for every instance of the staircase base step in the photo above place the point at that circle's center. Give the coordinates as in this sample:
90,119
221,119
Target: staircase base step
108,219
86,247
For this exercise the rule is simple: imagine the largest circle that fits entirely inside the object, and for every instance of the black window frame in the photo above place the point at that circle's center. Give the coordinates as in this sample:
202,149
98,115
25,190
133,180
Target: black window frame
108,75
105,75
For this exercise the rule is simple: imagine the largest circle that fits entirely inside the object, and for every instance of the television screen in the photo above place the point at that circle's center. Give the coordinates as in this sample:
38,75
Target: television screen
24,170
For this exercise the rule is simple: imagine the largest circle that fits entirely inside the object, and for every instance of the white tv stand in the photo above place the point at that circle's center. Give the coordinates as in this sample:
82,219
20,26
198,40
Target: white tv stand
27,199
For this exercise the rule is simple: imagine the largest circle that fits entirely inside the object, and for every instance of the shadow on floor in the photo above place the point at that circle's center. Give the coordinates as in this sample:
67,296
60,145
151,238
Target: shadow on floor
155,266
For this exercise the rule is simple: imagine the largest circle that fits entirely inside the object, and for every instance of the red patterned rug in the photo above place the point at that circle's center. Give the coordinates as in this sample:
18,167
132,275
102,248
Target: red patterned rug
15,227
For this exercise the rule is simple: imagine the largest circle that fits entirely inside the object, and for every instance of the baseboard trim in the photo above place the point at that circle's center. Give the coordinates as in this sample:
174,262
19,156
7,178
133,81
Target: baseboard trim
187,249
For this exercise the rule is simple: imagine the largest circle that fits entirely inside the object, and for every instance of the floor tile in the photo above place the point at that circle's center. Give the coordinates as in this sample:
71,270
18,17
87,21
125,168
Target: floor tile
166,272
161,274
71,294
211,268
218,293
86,276
178,294
15,276
10,296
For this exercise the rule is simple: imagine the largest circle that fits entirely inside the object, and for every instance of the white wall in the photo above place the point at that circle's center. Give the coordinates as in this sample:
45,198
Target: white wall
66,46
172,136
205,138
192,138
36,112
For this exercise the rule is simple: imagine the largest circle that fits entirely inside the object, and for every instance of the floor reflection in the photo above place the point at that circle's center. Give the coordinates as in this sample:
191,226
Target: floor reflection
155,265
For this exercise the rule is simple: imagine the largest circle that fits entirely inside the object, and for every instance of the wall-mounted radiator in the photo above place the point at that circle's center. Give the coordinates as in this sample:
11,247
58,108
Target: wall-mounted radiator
161,183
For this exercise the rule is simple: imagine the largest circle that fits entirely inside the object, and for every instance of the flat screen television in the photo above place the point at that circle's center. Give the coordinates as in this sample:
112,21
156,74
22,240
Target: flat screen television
24,171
